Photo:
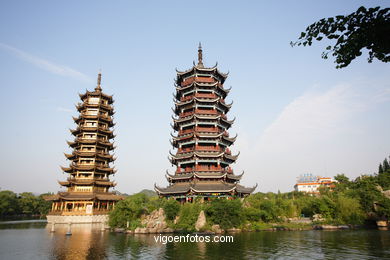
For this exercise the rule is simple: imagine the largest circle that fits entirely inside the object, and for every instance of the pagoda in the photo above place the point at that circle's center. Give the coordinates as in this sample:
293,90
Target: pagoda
87,197
203,156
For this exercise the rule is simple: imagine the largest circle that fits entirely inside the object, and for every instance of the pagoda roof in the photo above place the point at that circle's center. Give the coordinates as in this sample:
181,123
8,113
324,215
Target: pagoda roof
107,119
83,105
81,129
197,68
203,175
230,139
202,187
89,141
96,93
91,167
202,84
84,196
79,181
76,154
176,188
245,190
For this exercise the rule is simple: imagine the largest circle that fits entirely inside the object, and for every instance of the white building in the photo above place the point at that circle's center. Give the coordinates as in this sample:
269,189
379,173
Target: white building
310,184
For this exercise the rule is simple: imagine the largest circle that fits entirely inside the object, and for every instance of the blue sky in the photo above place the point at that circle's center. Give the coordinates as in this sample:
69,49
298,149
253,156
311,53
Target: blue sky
295,112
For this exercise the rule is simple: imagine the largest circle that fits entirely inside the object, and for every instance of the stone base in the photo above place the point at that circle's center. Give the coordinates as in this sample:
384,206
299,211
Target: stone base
79,219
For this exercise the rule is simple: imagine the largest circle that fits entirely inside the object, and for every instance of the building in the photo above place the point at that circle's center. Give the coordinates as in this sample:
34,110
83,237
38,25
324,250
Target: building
87,197
310,184
203,156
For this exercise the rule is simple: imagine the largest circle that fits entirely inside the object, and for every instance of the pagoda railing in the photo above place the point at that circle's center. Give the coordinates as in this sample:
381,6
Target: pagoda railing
187,131
207,129
204,95
186,114
201,148
206,111
183,99
197,79
210,168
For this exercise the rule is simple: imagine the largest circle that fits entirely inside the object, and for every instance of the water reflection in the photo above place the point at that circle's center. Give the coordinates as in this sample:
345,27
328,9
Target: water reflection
35,241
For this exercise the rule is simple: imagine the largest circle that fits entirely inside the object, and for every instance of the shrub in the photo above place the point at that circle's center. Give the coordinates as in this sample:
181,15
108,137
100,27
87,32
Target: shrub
171,208
226,213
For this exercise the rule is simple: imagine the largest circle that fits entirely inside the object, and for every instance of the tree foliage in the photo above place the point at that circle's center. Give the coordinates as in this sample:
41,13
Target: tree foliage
226,213
26,203
364,28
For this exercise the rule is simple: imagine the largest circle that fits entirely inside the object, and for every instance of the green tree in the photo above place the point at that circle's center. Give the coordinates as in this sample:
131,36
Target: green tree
226,213
364,28
386,166
8,203
129,209
380,169
171,209
28,203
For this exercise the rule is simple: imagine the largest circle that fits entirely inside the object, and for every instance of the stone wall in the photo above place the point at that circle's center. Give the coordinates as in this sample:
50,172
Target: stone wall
77,219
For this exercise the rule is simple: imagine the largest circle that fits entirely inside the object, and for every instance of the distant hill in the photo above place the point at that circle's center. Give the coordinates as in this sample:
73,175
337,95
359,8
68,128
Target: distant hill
148,193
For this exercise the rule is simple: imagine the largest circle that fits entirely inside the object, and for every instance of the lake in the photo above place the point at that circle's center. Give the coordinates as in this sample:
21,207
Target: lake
33,240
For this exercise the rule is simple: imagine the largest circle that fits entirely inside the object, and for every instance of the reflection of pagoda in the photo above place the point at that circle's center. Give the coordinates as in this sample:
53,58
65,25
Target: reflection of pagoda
203,155
87,198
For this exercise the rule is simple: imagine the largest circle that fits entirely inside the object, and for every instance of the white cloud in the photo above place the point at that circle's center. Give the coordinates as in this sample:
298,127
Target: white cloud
63,109
47,65
321,132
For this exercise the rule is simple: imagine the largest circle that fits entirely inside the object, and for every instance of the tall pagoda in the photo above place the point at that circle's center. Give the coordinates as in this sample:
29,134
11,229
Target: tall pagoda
203,156
87,198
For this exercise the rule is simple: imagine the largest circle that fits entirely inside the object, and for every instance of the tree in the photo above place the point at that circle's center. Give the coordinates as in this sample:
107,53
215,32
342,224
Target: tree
341,178
171,208
380,169
8,203
364,28
386,165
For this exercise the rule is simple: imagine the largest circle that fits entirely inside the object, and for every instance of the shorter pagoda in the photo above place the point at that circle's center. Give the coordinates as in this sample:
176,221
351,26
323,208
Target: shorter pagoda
87,198
203,156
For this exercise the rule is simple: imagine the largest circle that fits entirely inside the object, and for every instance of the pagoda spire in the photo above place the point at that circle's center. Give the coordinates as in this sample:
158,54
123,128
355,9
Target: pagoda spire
99,80
200,56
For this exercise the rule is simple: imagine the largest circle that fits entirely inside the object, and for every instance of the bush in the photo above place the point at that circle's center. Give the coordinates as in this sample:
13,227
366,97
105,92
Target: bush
226,213
129,209
171,209
188,215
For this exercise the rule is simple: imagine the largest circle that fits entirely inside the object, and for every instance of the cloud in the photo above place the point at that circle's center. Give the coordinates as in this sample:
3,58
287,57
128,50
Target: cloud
63,109
324,132
47,65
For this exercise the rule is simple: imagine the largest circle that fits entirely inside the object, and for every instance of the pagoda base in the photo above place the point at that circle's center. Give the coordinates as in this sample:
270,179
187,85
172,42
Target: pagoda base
77,219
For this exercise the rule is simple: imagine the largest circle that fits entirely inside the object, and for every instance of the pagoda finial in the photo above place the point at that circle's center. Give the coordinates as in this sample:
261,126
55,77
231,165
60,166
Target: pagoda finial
200,55
99,80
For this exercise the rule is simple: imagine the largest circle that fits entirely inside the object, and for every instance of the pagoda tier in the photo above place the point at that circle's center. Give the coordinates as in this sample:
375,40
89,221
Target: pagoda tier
88,183
202,141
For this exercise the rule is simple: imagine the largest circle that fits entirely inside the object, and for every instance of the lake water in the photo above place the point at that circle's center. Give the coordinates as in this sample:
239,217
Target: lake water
33,240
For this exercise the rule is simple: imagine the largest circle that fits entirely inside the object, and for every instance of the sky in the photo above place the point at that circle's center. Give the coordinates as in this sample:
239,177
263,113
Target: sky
295,112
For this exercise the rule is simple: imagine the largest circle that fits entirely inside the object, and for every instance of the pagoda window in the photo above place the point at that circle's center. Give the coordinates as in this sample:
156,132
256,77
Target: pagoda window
92,111
89,135
93,100
84,188
89,123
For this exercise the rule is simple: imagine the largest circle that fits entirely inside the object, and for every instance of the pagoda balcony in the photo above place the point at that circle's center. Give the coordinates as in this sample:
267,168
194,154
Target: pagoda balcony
204,95
197,79
186,114
183,99
206,111
200,149
207,129
187,131
199,168
210,148
208,168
